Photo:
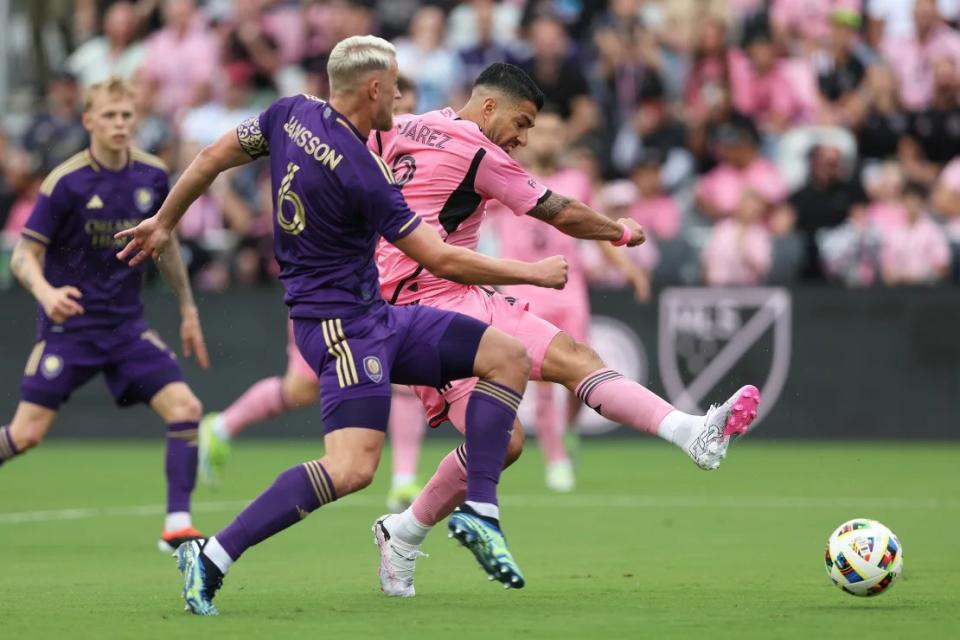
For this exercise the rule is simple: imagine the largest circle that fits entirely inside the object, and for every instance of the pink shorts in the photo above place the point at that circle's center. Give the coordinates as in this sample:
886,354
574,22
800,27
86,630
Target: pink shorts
567,310
511,316
295,362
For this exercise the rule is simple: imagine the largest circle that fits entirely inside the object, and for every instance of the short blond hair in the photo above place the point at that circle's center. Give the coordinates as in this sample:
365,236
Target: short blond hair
352,57
115,86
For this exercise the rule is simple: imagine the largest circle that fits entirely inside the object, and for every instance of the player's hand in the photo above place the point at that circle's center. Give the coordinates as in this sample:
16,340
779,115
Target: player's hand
637,236
551,273
60,304
146,240
192,336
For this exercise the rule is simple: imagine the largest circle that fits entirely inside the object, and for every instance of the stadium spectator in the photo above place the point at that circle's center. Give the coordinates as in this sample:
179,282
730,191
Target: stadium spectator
181,60
116,52
486,41
884,186
652,129
740,249
876,114
742,166
830,195
423,57
913,56
765,86
708,79
653,208
934,135
478,23
155,132
245,41
946,198
559,76
204,124
24,174
799,23
841,66
56,132
916,252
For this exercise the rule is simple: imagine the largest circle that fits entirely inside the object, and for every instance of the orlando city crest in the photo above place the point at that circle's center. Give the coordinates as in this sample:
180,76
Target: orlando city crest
143,198
712,340
373,368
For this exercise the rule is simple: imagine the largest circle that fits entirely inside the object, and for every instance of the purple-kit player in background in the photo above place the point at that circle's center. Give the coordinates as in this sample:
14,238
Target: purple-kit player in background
90,318
334,200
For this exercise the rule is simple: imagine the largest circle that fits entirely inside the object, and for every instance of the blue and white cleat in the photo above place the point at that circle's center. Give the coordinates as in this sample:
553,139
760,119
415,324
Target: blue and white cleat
483,537
201,578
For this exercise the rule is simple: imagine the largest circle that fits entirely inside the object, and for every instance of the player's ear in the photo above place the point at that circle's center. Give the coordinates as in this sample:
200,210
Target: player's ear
489,105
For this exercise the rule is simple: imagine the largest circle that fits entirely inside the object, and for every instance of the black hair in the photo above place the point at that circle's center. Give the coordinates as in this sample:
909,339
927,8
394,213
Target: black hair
513,81
913,188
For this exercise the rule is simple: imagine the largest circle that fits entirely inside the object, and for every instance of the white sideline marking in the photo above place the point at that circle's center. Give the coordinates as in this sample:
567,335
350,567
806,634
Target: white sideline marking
530,502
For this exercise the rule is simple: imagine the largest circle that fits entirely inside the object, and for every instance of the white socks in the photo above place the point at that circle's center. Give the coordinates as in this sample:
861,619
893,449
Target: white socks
176,521
407,529
218,555
680,428
486,509
220,427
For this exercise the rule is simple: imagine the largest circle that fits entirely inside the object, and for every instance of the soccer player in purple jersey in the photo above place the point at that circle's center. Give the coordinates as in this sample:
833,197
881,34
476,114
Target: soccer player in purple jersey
90,317
334,200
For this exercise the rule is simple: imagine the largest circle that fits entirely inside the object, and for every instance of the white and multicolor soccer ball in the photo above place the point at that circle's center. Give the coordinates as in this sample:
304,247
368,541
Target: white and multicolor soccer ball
864,557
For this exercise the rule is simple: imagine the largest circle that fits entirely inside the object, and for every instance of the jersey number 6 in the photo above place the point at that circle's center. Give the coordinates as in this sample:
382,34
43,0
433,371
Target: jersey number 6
295,224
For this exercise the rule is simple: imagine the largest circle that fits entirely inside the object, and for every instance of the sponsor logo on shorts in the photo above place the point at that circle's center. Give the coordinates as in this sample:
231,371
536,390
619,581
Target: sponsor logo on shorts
51,366
373,368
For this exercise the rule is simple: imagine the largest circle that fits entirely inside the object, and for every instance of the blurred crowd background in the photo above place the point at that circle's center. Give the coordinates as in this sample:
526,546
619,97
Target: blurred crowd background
758,141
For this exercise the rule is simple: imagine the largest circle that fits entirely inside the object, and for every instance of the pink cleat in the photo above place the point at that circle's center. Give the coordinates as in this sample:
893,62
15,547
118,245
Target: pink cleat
721,425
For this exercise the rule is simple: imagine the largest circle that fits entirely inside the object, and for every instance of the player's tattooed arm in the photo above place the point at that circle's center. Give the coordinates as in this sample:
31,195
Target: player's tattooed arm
576,219
174,272
26,263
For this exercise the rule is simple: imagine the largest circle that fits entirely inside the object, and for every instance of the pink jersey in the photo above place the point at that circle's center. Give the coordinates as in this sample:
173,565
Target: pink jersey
447,170
529,239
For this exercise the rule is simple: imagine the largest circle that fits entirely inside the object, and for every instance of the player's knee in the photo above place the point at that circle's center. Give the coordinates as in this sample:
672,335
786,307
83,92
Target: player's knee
355,478
28,434
185,407
513,364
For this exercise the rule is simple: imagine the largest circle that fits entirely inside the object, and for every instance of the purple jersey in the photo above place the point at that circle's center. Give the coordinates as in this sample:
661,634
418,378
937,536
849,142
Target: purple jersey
80,207
333,200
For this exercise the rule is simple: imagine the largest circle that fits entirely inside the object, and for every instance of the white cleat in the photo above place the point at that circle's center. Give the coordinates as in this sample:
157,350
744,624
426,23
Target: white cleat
722,423
398,560
560,476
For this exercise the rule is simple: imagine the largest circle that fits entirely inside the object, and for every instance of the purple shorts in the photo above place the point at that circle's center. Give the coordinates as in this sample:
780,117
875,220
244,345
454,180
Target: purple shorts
357,359
133,359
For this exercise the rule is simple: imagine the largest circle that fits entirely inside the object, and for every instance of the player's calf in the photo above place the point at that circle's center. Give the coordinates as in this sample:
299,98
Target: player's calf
29,426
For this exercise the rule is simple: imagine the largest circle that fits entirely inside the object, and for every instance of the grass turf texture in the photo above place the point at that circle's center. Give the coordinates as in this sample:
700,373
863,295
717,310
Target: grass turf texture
648,546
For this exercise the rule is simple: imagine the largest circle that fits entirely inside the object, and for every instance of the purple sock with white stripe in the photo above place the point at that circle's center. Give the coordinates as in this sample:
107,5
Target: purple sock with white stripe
295,493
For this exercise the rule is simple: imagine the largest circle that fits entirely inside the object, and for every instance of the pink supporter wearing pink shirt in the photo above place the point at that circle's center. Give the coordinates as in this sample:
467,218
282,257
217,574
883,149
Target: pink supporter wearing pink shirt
737,254
722,188
915,253
180,65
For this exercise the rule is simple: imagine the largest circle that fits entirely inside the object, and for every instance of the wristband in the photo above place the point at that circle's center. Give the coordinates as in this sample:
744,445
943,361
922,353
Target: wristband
624,239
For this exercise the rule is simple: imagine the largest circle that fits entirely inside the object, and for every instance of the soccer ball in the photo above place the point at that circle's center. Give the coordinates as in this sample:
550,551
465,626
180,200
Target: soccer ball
863,557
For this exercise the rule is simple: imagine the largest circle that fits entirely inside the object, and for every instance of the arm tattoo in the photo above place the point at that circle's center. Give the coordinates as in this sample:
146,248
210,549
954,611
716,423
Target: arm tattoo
550,207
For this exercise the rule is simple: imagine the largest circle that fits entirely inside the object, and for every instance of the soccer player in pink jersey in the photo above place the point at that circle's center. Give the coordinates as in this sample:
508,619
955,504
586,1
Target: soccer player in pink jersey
569,310
448,164
299,387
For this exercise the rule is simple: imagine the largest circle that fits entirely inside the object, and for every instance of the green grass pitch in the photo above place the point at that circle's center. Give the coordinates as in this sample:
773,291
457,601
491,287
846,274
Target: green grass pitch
647,547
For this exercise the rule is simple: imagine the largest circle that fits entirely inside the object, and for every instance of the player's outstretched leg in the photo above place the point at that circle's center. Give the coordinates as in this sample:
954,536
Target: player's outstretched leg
407,425
705,439
399,536
180,410
266,399
349,464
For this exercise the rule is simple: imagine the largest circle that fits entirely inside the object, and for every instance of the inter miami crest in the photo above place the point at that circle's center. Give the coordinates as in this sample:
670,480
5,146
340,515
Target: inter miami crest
712,341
